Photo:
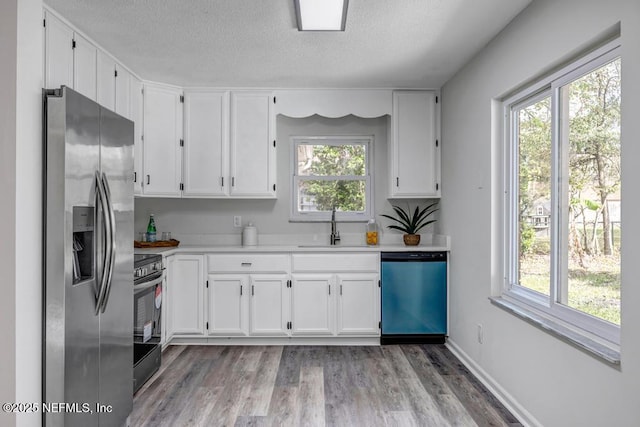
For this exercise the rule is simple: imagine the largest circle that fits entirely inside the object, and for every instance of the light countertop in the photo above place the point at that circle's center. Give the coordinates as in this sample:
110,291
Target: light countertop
292,248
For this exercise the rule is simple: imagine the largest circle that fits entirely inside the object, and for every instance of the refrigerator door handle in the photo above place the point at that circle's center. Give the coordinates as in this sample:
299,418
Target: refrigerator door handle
106,261
112,240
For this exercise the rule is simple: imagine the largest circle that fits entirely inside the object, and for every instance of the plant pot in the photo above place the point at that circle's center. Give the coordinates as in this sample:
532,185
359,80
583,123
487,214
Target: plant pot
411,239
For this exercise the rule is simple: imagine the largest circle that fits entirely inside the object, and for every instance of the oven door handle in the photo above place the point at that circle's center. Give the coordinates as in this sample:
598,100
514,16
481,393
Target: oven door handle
155,280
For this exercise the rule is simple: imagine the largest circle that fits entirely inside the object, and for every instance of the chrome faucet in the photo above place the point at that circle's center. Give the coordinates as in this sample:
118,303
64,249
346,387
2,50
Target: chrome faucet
335,234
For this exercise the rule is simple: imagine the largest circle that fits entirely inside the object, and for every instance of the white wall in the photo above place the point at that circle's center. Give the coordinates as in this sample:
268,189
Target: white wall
187,217
21,207
554,383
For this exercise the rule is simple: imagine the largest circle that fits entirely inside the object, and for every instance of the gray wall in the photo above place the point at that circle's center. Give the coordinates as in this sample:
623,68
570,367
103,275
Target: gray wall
547,380
21,210
186,217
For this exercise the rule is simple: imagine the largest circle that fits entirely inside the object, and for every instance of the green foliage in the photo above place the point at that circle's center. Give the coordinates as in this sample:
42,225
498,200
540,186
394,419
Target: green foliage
591,137
346,195
527,237
411,223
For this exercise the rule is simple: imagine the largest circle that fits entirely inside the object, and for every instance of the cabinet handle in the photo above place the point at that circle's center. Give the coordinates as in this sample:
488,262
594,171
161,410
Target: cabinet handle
148,179
240,290
222,181
233,181
340,289
329,289
397,181
135,176
245,264
252,286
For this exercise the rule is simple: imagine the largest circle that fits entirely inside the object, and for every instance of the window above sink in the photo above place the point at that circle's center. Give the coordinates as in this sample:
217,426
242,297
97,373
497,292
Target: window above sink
328,172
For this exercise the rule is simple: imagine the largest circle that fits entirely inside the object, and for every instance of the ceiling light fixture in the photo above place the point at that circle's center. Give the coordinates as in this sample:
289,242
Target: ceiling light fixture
321,15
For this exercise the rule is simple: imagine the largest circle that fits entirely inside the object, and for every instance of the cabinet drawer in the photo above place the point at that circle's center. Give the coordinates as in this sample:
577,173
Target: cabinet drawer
248,263
335,263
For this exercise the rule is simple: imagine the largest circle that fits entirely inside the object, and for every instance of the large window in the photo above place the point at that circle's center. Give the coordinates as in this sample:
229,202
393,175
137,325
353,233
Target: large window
563,227
331,172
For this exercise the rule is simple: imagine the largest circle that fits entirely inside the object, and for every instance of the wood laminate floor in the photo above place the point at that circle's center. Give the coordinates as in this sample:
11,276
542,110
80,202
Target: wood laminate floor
407,385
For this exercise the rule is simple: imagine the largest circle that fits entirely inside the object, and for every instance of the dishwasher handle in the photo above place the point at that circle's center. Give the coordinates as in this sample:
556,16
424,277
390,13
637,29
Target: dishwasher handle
437,256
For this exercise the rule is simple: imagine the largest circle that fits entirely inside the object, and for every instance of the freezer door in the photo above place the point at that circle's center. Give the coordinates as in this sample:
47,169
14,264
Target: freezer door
71,327
116,318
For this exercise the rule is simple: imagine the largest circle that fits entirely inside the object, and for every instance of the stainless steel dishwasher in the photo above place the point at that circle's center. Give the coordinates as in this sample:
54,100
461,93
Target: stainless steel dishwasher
414,297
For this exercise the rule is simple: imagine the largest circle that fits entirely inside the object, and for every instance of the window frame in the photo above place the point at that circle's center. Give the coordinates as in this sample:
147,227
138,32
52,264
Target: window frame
324,216
511,290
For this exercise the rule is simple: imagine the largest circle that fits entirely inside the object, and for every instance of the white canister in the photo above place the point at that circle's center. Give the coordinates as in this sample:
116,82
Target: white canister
250,235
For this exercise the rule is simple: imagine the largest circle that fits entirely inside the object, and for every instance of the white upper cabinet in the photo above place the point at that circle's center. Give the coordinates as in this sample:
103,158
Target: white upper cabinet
106,81
136,116
85,57
162,155
70,59
413,148
58,53
123,104
252,145
229,148
206,136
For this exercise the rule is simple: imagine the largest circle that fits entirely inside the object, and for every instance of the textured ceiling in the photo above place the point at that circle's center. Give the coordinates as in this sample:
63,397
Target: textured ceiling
255,43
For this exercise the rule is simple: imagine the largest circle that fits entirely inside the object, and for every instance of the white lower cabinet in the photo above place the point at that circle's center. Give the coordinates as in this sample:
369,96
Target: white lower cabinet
273,296
312,301
335,294
186,295
227,304
269,304
358,305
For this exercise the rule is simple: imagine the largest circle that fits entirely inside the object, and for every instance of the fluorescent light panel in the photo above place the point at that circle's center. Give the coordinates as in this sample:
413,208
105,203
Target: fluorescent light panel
321,15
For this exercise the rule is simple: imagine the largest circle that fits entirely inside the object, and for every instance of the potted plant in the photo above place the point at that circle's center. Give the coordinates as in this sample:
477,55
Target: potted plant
410,223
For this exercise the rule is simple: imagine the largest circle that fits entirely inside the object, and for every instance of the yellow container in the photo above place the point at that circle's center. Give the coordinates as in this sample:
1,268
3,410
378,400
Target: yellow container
372,232
372,237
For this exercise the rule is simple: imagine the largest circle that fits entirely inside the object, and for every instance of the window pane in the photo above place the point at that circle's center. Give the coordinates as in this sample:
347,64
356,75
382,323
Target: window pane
534,166
591,118
332,160
323,195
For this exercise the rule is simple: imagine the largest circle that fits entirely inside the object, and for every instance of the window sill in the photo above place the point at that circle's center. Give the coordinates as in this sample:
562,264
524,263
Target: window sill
554,327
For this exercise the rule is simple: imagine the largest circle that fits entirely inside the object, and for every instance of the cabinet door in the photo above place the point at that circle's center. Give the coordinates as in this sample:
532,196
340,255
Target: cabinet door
106,93
84,67
136,115
58,57
358,304
227,312
252,145
187,294
123,92
206,117
167,315
415,158
162,133
312,304
269,305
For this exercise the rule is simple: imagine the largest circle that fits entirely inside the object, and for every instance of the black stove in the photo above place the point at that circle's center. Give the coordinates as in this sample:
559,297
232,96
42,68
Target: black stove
148,274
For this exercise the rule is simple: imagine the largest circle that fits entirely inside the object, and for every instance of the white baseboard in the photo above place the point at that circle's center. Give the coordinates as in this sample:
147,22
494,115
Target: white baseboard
519,411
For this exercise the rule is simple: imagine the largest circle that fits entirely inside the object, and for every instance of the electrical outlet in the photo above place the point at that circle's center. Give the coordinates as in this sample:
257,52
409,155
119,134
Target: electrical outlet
480,333
237,221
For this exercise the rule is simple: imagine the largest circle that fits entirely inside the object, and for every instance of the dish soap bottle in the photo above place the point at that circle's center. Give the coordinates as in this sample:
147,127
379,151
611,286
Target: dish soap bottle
372,232
151,229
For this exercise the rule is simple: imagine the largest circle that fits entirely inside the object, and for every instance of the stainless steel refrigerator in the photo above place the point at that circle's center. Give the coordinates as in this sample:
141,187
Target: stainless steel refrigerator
88,283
